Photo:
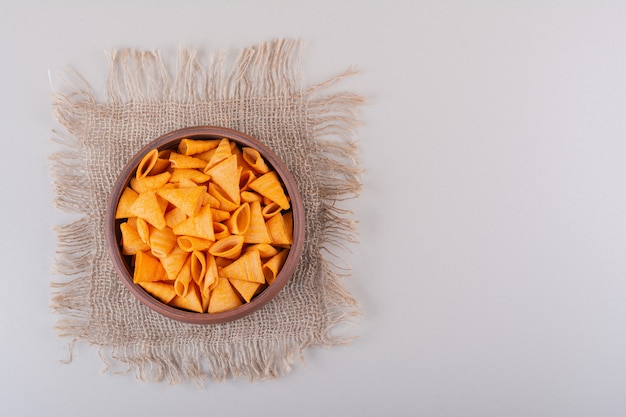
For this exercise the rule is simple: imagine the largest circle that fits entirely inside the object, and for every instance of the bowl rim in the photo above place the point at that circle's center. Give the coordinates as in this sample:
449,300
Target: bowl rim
169,141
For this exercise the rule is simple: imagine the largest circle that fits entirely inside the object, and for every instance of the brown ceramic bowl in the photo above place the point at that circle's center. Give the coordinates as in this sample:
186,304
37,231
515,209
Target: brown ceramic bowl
123,263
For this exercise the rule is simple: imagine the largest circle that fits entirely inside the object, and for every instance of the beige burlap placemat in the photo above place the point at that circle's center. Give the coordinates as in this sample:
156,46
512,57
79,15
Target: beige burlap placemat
257,90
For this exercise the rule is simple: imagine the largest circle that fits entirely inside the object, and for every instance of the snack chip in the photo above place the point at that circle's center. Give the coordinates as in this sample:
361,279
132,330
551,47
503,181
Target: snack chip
269,186
147,207
230,247
185,161
173,262
246,289
150,183
273,265
265,250
220,230
239,221
197,177
181,283
127,199
223,297
208,225
257,230
193,147
160,290
220,153
131,241
161,241
188,199
147,163
148,268
254,159
246,268
200,225
190,243
225,174
211,276
192,300
279,230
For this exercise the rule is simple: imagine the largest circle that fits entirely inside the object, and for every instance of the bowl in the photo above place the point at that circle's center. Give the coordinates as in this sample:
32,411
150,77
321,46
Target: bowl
123,264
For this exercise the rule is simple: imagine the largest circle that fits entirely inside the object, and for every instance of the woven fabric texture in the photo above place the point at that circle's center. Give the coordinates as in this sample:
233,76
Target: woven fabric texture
256,90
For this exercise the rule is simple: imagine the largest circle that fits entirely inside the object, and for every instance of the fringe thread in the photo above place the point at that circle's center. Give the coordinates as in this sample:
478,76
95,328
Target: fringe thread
270,69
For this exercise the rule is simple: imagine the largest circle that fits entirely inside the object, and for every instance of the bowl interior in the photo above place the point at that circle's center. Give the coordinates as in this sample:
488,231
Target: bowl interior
122,263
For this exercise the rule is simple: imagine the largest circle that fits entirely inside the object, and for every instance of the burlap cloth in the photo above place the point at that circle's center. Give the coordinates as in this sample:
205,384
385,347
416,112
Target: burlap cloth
258,91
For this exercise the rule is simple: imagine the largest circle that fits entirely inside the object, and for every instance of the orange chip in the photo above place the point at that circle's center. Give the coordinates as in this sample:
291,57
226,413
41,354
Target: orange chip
150,183
250,196
229,247
194,175
270,210
192,300
162,241
185,183
219,215
200,225
149,208
245,178
181,284
268,185
257,230
132,221
196,146
265,250
279,230
205,156
174,216
226,174
220,153
288,225
205,301
272,267
223,297
197,266
255,160
247,268
225,203
148,268
240,161
188,199
239,221
143,229
222,262
165,154
131,241
147,163
209,200
184,161
173,262
246,289
210,277
161,165
162,291
220,230
191,243
126,201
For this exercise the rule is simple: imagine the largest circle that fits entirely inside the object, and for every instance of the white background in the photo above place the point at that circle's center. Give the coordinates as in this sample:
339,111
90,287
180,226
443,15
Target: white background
492,264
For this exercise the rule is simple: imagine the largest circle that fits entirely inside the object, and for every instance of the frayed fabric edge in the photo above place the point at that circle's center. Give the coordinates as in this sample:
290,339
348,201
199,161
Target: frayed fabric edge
332,120
176,365
267,69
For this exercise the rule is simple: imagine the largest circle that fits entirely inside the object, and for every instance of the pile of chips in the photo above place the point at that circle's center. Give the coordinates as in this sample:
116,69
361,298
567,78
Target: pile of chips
208,225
